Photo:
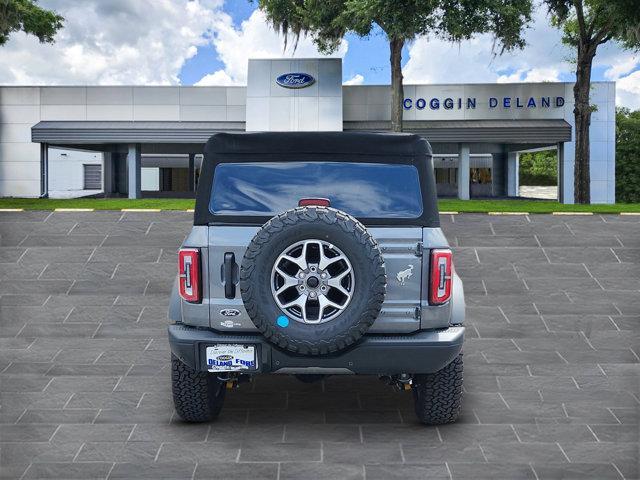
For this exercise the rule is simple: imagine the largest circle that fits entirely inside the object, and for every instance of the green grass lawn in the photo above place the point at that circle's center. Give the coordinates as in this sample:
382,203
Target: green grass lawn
477,206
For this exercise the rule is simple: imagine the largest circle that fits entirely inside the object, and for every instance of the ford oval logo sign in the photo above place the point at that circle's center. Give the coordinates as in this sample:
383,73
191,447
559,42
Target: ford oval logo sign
295,80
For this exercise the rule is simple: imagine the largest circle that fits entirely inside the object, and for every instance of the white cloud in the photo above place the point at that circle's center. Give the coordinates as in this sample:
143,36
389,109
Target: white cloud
255,38
622,65
628,91
357,79
437,61
545,58
115,42
531,75
219,77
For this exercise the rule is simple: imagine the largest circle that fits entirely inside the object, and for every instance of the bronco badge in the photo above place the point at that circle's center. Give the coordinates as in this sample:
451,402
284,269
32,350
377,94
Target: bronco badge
404,275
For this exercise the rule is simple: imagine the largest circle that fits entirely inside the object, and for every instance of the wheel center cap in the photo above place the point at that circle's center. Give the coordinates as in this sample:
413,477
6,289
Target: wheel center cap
313,282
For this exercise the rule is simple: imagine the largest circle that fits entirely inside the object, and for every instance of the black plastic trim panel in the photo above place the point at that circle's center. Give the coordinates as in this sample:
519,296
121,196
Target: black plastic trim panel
421,352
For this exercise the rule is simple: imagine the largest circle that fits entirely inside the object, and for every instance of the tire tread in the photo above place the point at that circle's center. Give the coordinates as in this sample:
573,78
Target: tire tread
197,396
377,289
438,396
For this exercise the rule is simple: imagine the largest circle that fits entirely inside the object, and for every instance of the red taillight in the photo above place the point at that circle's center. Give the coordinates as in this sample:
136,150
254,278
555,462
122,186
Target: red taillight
441,277
189,274
320,202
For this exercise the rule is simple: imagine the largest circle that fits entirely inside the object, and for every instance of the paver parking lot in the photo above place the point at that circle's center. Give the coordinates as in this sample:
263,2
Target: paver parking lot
551,362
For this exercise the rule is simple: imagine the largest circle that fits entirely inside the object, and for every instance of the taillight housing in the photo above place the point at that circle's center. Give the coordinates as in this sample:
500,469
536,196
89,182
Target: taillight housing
440,276
189,274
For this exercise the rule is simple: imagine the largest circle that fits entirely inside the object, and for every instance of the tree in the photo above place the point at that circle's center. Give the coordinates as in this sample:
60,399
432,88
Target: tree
28,17
539,168
587,24
627,155
327,21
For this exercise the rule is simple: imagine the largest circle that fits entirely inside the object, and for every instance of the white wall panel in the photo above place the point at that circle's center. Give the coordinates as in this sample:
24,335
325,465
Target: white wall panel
236,95
63,112
156,112
15,133
236,113
109,95
156,95
110,112
203,113
20,170
19,188
203,96
19,95
63,95
19,114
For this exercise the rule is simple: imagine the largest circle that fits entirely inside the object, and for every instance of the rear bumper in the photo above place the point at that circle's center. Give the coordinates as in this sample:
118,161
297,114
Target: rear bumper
421,352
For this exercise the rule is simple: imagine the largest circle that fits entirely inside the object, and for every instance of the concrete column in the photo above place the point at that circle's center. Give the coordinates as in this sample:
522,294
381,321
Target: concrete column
561,174
107,173
134,170
498,174
192,172
463,171
44,170
513,174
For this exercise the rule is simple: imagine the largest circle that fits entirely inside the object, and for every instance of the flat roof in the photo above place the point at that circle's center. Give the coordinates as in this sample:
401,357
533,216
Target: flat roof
159,132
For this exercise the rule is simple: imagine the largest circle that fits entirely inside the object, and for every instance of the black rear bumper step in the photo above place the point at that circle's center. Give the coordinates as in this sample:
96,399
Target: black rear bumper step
421,352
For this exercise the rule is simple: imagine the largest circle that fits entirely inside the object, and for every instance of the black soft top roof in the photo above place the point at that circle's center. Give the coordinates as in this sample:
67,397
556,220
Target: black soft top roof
317,146
344,143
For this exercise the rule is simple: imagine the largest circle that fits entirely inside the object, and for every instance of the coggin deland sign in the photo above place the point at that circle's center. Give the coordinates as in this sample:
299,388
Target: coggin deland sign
469,103
302,80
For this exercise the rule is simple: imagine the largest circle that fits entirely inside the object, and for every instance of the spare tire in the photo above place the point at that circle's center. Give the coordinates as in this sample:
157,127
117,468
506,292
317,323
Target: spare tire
313,280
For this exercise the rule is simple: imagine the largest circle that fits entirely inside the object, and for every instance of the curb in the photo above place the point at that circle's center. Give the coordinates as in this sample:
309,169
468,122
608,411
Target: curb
74,210
11,209
507,213
142,210
571,213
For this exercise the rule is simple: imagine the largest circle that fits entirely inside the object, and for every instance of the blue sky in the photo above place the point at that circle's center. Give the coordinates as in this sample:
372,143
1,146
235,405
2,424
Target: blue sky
368,56
208,42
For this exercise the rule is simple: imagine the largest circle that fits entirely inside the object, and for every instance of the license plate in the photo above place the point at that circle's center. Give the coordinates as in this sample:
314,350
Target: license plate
231,358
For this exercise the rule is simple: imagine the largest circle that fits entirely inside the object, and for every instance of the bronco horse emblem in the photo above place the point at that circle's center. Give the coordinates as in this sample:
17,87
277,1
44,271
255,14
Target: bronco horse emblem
404,275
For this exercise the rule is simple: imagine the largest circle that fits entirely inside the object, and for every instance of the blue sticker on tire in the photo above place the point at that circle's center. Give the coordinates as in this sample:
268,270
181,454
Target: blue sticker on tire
282,321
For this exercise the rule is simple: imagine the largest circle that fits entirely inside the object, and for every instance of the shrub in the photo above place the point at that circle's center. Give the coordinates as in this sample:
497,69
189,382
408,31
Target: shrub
627,156
539,168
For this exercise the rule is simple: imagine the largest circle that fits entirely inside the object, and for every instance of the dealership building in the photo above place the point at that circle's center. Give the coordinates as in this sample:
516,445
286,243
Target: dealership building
146,141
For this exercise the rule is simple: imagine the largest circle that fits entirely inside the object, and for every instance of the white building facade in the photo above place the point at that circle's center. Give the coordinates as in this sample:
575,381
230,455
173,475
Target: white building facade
148,140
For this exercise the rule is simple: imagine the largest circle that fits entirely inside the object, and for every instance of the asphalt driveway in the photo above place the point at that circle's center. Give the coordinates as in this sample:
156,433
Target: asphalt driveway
551,362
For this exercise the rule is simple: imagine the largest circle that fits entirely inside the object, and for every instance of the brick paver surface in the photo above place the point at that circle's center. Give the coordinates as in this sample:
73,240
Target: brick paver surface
551,363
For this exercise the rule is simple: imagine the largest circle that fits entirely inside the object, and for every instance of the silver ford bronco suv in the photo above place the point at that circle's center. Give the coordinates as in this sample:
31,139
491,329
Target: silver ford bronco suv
316,254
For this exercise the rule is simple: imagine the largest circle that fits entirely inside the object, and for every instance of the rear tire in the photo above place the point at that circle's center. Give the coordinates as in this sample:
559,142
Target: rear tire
197,396
438,396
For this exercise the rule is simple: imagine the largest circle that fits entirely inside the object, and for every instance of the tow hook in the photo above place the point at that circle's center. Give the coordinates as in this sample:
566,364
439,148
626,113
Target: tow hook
233,381
401,382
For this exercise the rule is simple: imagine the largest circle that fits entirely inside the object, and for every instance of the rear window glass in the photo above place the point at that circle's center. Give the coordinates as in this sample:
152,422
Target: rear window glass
365,190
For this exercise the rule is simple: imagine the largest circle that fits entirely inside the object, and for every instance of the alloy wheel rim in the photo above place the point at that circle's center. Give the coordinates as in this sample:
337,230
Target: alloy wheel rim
312,281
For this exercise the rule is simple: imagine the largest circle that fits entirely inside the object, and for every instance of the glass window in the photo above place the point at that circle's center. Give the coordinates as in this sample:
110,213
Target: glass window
365,190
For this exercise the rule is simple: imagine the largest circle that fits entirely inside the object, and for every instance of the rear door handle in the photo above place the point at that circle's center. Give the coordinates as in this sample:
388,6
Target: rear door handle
230,275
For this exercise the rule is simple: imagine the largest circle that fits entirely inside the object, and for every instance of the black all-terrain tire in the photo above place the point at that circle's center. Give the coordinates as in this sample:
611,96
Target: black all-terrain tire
341,230
438,396
197,396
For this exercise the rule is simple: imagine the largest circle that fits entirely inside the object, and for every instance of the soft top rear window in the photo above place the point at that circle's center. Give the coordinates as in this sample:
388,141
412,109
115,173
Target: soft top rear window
364,190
